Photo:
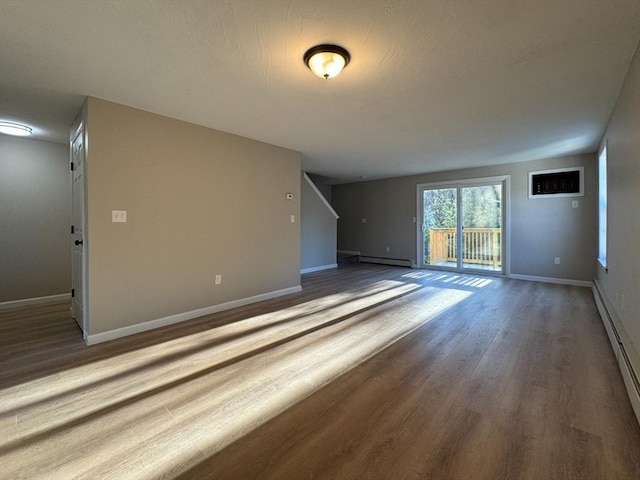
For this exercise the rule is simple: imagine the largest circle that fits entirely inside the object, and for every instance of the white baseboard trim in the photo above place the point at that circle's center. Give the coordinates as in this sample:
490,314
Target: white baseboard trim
35,301
398,262
182,317
561,281
319,268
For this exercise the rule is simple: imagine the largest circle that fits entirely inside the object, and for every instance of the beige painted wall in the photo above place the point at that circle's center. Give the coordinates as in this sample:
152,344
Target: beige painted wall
541,229
199,203
621,282
35,217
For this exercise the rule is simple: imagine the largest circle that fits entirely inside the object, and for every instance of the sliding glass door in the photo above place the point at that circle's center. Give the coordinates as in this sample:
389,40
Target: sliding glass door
462,226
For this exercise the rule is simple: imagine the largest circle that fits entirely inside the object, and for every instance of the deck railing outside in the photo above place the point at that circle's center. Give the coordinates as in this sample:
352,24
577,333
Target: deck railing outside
480,246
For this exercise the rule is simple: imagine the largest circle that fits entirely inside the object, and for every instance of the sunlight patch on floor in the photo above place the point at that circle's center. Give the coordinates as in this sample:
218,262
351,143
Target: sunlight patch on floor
312,367
477,282
199,393
229,337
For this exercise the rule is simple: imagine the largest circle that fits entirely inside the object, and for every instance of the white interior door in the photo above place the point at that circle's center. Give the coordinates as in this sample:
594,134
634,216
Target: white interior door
77,231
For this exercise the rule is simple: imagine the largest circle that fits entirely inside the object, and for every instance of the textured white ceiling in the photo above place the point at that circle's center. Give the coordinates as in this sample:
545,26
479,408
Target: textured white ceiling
432,85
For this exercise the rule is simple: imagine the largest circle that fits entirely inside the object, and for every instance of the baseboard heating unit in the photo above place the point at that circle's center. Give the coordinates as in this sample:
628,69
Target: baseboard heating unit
399,262
629,373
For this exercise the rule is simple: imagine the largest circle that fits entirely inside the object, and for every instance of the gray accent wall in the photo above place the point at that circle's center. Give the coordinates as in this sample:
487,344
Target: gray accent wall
35,217
318,229
199,203
541,229
323,184
620,282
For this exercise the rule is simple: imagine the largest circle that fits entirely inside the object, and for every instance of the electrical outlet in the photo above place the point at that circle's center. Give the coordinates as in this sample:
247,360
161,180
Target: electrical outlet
364,220
119,216
388,249
218,279
556,260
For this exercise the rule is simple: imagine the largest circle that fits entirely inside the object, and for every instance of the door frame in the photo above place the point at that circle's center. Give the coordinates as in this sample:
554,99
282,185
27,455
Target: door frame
506,227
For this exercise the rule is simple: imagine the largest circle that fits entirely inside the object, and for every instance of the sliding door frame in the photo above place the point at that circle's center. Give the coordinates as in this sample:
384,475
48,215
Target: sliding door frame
457,184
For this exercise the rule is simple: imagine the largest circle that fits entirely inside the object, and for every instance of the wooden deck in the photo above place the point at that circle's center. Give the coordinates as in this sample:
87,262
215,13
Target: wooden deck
481,247
370,372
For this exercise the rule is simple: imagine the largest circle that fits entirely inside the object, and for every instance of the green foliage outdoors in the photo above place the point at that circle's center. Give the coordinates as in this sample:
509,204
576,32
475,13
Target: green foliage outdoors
481,208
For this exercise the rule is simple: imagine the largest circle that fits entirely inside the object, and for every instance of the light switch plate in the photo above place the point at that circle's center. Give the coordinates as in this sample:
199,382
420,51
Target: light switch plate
119,216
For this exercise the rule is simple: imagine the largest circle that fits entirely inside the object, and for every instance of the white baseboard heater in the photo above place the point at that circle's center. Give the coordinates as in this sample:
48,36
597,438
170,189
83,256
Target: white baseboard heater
629,375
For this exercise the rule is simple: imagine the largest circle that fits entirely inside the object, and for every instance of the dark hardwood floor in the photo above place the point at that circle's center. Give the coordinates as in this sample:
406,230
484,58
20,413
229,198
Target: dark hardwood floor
371,372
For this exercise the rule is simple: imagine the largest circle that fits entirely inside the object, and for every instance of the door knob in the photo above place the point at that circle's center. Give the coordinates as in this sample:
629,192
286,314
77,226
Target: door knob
78,242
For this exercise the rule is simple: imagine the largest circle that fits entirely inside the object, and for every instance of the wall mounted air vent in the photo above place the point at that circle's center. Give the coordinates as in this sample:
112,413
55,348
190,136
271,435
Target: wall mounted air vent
559,182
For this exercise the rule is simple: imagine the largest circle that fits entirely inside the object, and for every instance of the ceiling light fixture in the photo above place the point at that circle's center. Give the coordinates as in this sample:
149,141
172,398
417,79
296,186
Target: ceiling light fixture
326,61
16,129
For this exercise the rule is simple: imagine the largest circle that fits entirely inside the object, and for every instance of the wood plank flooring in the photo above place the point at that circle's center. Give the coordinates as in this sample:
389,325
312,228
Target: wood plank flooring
371,372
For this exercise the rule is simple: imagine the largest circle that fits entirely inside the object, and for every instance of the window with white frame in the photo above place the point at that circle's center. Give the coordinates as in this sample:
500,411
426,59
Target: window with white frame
602,206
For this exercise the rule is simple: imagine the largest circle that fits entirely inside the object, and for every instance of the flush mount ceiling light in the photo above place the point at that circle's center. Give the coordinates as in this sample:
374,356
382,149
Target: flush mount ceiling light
11,128
326,61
